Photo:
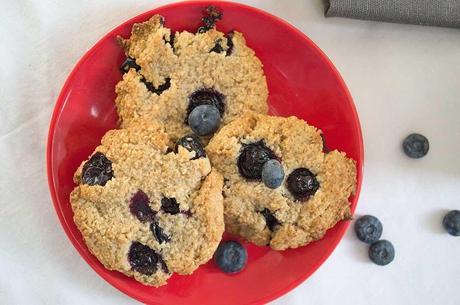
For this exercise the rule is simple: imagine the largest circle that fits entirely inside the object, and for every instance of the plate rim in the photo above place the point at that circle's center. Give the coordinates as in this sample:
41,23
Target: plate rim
61,101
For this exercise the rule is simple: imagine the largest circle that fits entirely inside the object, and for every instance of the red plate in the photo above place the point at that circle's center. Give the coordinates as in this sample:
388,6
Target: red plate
302,82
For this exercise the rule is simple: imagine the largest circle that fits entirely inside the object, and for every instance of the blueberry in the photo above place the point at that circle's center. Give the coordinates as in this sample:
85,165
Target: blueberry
231,256
129,63
382,252
252,158
270,219
451,222
368,229
212,15
416,145
158,233
206,96
170,205
302,184
140,207
272,173
204,120
143,259
191,143
97,170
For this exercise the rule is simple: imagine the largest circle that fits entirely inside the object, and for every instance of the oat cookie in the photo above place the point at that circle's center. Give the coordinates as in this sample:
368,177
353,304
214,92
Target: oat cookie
167,75
146,211
312,197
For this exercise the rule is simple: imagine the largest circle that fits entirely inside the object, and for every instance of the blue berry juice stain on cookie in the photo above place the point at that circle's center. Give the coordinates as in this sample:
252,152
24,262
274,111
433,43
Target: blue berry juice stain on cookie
416,146
170,205
129,63
191,143
382,252
252,158
302,184
229,37
140,207
270,219
451,222
272,174
158,232
217,47
204,120
231,257
143,259
163,87
97,170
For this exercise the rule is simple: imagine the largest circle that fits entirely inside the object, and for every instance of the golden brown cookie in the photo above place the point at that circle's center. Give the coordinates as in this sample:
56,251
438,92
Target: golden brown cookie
145,211
313,195
168,75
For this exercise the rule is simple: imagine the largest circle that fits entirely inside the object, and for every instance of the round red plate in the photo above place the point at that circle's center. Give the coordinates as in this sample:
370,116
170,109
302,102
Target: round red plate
301,81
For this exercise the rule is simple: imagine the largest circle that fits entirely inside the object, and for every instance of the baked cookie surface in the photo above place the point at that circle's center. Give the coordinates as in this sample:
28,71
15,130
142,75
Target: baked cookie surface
167,75
145,211
312,197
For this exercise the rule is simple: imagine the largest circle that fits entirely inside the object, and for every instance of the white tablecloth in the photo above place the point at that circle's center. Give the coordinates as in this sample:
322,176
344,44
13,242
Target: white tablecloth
403,78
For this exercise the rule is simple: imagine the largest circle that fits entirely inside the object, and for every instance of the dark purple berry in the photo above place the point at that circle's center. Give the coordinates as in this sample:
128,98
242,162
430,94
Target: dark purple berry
160,89
270,219
140,207
212,15
158,233
97,170
302,184
217,47
170,205
143,259
252,158
191,143
231,256
129,63
206,96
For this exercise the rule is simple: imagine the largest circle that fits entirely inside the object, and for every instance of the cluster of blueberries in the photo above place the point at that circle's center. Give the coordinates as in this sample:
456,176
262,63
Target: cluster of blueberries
369,229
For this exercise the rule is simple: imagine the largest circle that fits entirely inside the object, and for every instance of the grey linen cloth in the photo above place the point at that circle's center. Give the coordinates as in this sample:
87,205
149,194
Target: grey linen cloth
424,12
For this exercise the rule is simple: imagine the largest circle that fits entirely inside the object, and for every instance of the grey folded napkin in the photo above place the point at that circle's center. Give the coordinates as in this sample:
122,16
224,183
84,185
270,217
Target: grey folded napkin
424,12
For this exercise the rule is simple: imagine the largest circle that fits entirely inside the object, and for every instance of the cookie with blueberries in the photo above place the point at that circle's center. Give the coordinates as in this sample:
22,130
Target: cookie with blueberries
191,82
280,188
146,211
